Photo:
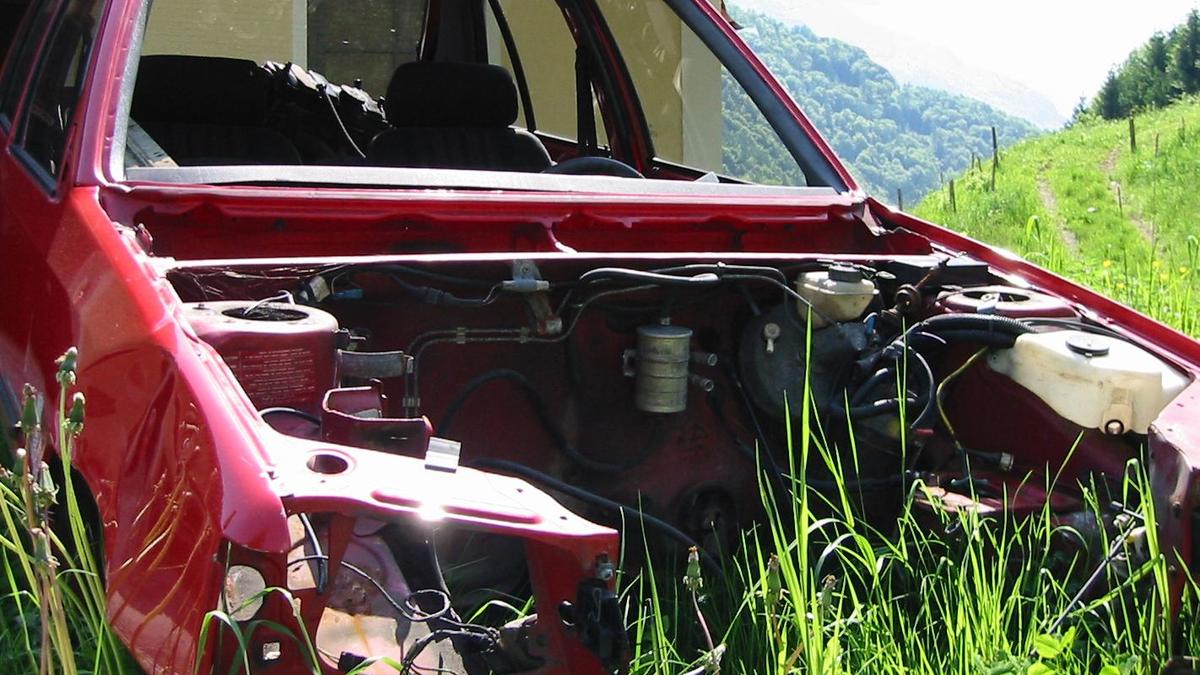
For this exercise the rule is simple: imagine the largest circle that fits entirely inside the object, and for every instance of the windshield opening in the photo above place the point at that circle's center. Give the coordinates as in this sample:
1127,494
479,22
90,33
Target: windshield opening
451,85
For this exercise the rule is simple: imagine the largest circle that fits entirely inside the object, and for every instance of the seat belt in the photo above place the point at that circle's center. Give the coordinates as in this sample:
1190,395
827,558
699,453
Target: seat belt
584,114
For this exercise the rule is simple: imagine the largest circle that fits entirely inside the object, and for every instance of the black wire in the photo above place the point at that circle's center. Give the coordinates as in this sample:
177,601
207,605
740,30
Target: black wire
464,282
627,512
405,609
281,410
640,276
547,422
439,298
341,125
759,455
781,479
323,568
444,634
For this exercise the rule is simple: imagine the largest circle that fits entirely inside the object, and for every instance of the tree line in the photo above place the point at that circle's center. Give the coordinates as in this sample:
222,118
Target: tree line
1164,69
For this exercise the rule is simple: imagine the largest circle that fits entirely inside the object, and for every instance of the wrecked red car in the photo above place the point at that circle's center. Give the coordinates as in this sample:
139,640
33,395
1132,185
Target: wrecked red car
372,289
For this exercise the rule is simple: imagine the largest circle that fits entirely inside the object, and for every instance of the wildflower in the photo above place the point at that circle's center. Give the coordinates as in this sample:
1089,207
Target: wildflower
67,364
774,587
1120,285
1107,264
75,417
1165,276
30,413
826,593
692,580
1156,264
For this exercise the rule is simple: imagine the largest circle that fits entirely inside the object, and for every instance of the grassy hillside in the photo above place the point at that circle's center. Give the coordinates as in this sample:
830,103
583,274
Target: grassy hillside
1082,203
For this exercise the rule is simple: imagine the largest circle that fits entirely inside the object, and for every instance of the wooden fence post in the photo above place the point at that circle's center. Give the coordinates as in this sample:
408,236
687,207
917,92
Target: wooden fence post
1132,136
899,199
953,201
1156,144
995,157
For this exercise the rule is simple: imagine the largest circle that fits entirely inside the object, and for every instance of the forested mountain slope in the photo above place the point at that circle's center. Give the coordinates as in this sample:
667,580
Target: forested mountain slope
892,135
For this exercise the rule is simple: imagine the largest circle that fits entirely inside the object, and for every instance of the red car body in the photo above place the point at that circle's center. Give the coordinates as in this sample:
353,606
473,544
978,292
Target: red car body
189,479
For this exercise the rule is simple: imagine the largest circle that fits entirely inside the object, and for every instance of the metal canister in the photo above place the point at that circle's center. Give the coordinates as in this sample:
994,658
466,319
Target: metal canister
661,383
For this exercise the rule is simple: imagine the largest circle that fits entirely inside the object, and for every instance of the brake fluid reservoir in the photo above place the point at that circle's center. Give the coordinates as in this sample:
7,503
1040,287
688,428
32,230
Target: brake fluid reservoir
1095,381
840,293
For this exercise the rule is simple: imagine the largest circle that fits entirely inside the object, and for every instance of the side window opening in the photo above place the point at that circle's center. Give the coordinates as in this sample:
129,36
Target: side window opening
11,13
58,85
547,49
22,54
698,115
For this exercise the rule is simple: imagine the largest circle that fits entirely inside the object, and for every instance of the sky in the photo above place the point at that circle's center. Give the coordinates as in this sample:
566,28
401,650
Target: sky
1060,48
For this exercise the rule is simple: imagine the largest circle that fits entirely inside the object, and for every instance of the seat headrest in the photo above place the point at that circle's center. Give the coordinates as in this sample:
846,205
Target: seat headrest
437,94
201,90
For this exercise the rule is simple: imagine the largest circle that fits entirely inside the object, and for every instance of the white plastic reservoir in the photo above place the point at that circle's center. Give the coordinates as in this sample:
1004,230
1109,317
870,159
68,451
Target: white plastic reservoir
840,293
1095,381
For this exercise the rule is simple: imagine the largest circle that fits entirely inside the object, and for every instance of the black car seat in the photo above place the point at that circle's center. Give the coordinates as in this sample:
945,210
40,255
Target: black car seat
209,111
455,116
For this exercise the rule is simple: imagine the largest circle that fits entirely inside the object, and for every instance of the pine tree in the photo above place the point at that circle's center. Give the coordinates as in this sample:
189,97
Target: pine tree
1108,100
1187,55
1158,83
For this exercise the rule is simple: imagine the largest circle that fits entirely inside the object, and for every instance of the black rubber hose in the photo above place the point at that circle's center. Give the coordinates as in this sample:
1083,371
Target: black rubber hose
921,342
989,323
439,298
864,411
281,410
626,512
882,375
546,421
722,269
861,411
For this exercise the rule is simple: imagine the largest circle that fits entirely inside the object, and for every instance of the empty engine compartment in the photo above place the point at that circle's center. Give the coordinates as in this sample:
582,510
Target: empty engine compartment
666,385
612,376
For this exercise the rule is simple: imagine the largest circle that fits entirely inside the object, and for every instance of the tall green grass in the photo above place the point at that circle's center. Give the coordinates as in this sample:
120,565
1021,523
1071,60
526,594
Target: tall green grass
814,588
54,607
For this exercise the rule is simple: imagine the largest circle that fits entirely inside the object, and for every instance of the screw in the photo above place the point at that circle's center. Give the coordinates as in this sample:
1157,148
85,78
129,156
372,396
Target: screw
771,333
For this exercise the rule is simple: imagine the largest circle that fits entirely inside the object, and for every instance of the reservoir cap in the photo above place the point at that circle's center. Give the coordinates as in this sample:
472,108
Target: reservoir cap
1088,345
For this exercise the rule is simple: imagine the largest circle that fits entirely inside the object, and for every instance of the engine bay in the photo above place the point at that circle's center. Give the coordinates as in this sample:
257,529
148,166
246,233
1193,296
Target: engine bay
673,389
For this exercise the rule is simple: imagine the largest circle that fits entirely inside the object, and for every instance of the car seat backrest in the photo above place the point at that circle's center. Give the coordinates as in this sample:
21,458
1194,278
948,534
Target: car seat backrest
209,110
455,116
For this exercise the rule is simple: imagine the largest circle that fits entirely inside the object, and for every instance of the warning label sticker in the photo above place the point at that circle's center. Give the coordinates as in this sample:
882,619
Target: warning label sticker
276,377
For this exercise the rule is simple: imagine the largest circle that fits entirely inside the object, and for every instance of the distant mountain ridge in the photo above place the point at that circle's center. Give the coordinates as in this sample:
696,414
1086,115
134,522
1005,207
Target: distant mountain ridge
914,62
894,136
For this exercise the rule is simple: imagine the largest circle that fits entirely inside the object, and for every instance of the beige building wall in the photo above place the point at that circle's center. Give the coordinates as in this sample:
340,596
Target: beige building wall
259,30
677,78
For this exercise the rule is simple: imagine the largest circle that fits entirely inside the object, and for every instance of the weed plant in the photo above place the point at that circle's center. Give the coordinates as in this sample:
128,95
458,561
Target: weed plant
54,607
